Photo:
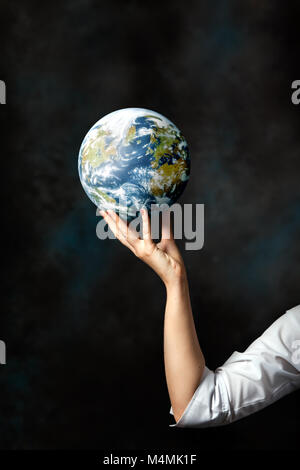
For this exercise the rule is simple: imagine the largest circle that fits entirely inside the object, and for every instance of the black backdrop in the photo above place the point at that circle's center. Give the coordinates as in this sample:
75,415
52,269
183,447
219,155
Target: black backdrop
83,318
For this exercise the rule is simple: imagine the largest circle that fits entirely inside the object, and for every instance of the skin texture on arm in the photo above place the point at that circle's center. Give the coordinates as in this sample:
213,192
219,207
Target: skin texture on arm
184,361
183,358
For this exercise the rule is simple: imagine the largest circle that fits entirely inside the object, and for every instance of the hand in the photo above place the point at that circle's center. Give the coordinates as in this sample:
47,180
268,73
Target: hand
163,257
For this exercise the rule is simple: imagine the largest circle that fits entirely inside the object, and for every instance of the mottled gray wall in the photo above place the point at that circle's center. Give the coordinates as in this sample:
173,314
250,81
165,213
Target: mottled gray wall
83,318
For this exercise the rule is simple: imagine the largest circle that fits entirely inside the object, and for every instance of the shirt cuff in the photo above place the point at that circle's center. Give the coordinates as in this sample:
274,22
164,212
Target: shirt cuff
209,405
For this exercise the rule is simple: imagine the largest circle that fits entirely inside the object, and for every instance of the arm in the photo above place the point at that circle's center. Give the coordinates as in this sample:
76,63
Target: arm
247,382
184,361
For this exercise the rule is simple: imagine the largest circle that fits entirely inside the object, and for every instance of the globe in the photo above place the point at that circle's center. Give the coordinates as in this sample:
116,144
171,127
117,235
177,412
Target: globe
133,158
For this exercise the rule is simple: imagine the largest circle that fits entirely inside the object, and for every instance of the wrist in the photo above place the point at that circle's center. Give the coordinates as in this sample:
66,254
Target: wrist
177,282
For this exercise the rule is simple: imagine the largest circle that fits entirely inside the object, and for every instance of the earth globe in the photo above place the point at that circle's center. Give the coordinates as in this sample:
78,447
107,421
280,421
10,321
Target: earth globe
133,158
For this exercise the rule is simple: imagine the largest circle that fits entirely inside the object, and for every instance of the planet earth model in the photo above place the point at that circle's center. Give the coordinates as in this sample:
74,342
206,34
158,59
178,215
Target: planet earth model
132,158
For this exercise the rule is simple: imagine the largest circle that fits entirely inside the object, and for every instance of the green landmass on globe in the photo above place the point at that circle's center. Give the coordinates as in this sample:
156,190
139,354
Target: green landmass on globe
133,158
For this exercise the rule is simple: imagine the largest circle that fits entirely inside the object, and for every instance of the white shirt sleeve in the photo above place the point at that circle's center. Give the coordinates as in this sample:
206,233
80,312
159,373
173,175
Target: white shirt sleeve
249,381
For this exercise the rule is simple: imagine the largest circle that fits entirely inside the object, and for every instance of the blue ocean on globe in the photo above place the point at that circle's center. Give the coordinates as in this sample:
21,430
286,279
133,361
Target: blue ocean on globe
133,158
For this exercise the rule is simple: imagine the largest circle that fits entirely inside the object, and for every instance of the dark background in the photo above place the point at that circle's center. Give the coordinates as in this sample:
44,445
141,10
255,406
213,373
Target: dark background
83,318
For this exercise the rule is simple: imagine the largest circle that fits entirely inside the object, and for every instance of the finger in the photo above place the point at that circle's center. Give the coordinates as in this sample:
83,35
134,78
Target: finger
146,227
166,227
130,234
117,233
167,242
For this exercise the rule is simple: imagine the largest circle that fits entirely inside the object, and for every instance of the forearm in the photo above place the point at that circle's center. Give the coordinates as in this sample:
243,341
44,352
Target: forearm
184,361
